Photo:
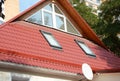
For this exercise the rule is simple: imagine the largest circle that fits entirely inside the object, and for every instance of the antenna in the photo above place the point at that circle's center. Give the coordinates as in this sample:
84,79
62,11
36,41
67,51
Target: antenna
87,71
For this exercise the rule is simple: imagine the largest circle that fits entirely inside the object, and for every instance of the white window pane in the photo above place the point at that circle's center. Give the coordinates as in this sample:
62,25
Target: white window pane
85,48
71,28
60,22
48,19
51,40
57,10
48,7
35,18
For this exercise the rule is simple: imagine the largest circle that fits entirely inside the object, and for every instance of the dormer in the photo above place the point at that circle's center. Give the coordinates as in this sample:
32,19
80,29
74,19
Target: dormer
52,16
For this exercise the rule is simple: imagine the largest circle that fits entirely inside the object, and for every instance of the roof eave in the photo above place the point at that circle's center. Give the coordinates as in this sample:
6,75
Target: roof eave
112,70
26,69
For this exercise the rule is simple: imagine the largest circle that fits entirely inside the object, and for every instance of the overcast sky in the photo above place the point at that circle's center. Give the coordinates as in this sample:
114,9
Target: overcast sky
24,4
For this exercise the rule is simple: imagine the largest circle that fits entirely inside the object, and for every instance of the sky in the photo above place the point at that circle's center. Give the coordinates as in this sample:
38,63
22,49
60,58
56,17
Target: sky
24,4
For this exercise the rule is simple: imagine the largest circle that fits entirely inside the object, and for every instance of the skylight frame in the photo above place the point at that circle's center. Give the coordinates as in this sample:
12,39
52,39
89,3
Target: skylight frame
58,46
87,51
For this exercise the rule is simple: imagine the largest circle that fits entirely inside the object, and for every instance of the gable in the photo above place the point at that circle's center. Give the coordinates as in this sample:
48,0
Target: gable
52,16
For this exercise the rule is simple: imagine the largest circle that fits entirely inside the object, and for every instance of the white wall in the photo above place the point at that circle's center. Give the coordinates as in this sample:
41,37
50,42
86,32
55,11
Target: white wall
5,76
38,78
107,77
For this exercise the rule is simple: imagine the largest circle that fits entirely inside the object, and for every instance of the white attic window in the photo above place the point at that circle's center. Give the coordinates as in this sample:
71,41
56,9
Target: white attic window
52,16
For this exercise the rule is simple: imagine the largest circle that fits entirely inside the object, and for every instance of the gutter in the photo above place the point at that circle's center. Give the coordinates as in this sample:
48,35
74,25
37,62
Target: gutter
39,71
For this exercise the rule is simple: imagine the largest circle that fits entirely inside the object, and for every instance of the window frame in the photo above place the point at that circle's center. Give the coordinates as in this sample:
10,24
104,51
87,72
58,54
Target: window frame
44,18
54,16
89,54
53,46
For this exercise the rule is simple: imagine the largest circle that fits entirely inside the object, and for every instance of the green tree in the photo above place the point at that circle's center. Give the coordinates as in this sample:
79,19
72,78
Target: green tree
109,24
85,12
106,25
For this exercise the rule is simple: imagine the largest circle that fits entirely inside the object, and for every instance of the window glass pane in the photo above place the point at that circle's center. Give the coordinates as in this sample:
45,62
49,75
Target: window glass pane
51,40
48,7
85,48
35,18
60,22
70,28
48,19
19,77
51,15
57,10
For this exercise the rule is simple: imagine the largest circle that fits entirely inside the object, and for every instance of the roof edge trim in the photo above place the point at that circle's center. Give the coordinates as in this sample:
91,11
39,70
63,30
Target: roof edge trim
38,71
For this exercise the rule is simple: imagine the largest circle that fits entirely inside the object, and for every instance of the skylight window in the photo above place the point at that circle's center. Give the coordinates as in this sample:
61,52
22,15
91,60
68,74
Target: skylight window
51,40
52,16
85,48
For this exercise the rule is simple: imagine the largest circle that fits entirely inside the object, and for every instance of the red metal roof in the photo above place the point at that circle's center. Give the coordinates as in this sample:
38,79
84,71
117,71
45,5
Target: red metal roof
22,43
82,27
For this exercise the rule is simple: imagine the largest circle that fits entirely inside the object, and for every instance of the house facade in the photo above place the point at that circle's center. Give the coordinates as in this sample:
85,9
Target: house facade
50,42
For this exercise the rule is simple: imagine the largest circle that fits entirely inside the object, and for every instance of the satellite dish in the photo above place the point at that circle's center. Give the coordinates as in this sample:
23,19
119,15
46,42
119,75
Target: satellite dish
87,71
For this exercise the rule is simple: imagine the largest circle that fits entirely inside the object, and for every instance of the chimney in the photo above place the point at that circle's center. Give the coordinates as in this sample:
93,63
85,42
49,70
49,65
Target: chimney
2,13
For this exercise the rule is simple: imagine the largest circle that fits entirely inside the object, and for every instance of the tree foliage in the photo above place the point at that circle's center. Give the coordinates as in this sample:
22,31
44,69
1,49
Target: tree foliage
110,22
106,25
110,11
85,12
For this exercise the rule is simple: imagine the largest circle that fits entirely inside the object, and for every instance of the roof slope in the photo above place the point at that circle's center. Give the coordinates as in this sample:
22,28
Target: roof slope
22,43
82,26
